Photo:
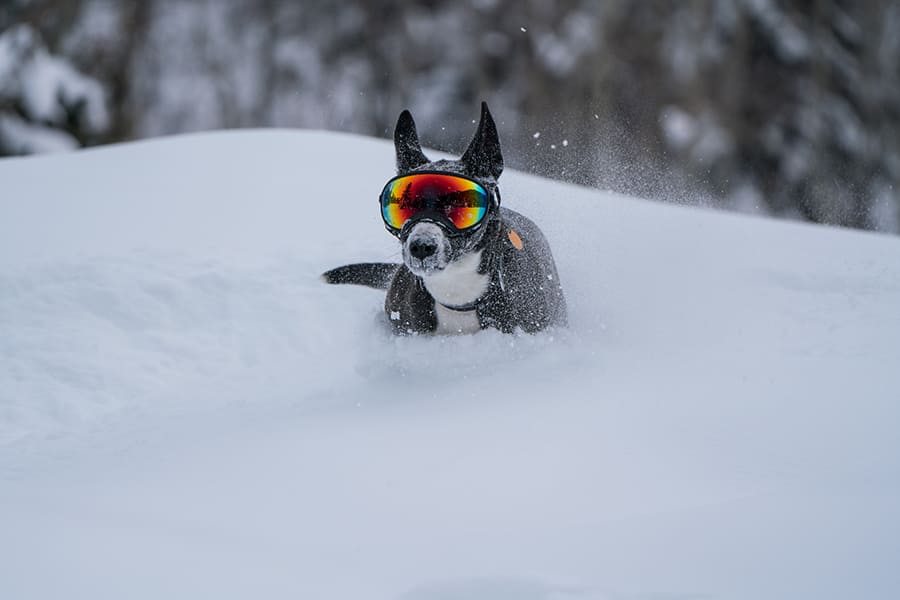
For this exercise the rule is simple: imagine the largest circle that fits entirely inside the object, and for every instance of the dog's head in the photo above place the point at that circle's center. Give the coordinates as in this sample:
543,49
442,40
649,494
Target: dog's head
430,245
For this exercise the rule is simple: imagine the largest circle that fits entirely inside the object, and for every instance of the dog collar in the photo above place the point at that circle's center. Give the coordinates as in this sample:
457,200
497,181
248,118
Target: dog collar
460,308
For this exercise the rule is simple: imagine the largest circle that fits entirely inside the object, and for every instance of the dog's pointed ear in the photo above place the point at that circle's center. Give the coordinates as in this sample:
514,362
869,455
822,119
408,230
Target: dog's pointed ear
482,157
406,142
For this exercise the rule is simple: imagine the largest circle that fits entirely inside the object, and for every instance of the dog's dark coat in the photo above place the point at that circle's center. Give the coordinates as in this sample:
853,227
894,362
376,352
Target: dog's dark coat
523,289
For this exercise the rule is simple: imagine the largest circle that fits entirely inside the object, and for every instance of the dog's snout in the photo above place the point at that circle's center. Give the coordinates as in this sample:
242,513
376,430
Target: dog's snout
425,248
422,248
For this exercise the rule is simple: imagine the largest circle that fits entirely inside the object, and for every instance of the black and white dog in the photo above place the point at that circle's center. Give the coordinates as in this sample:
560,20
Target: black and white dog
497,272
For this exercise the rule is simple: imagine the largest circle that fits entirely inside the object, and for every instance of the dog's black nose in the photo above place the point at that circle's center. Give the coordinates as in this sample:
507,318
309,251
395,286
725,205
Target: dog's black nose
422,248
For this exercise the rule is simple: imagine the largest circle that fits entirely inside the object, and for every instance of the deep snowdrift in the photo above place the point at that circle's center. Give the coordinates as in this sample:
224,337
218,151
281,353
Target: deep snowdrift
187,411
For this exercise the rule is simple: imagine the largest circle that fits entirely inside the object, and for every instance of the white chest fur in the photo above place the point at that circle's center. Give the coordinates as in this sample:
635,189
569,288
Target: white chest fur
452,322
458,284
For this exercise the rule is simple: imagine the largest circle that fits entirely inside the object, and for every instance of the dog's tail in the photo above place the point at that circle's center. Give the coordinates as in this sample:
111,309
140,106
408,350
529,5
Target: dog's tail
373,275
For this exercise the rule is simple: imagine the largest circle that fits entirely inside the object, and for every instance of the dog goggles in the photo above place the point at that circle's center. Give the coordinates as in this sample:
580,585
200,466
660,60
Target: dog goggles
460,200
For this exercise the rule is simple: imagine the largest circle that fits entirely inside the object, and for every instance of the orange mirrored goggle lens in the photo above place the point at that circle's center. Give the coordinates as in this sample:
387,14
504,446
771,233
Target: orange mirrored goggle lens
461,201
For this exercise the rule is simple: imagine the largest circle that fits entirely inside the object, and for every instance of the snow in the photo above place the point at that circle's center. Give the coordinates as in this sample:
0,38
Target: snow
680,128
187,411
705,139
22,137
790,41
49,90
50,85
561,51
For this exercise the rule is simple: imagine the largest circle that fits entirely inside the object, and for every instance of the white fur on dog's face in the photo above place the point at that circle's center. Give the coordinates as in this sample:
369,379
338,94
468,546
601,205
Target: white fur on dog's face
427,233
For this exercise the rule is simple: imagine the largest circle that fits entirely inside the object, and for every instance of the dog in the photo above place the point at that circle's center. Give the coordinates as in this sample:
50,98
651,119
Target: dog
456,277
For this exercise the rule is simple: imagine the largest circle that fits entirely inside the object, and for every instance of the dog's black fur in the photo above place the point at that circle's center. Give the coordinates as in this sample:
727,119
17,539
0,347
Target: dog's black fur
521,288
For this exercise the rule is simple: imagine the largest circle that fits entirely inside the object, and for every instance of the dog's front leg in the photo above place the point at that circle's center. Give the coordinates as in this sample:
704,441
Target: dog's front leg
408,305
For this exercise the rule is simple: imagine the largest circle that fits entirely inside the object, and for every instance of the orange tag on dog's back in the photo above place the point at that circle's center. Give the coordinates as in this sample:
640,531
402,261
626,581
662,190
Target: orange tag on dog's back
515,240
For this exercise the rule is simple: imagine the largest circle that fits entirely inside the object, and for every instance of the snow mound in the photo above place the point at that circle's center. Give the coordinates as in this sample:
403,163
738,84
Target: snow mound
187,411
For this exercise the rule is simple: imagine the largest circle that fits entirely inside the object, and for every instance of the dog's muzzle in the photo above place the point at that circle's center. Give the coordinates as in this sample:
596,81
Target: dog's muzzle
426,248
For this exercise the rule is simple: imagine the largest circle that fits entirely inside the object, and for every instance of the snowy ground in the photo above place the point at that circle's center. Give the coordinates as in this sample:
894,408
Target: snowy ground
186,411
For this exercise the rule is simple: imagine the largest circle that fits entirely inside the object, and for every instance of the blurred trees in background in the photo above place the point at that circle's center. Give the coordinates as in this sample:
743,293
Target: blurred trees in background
788,108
